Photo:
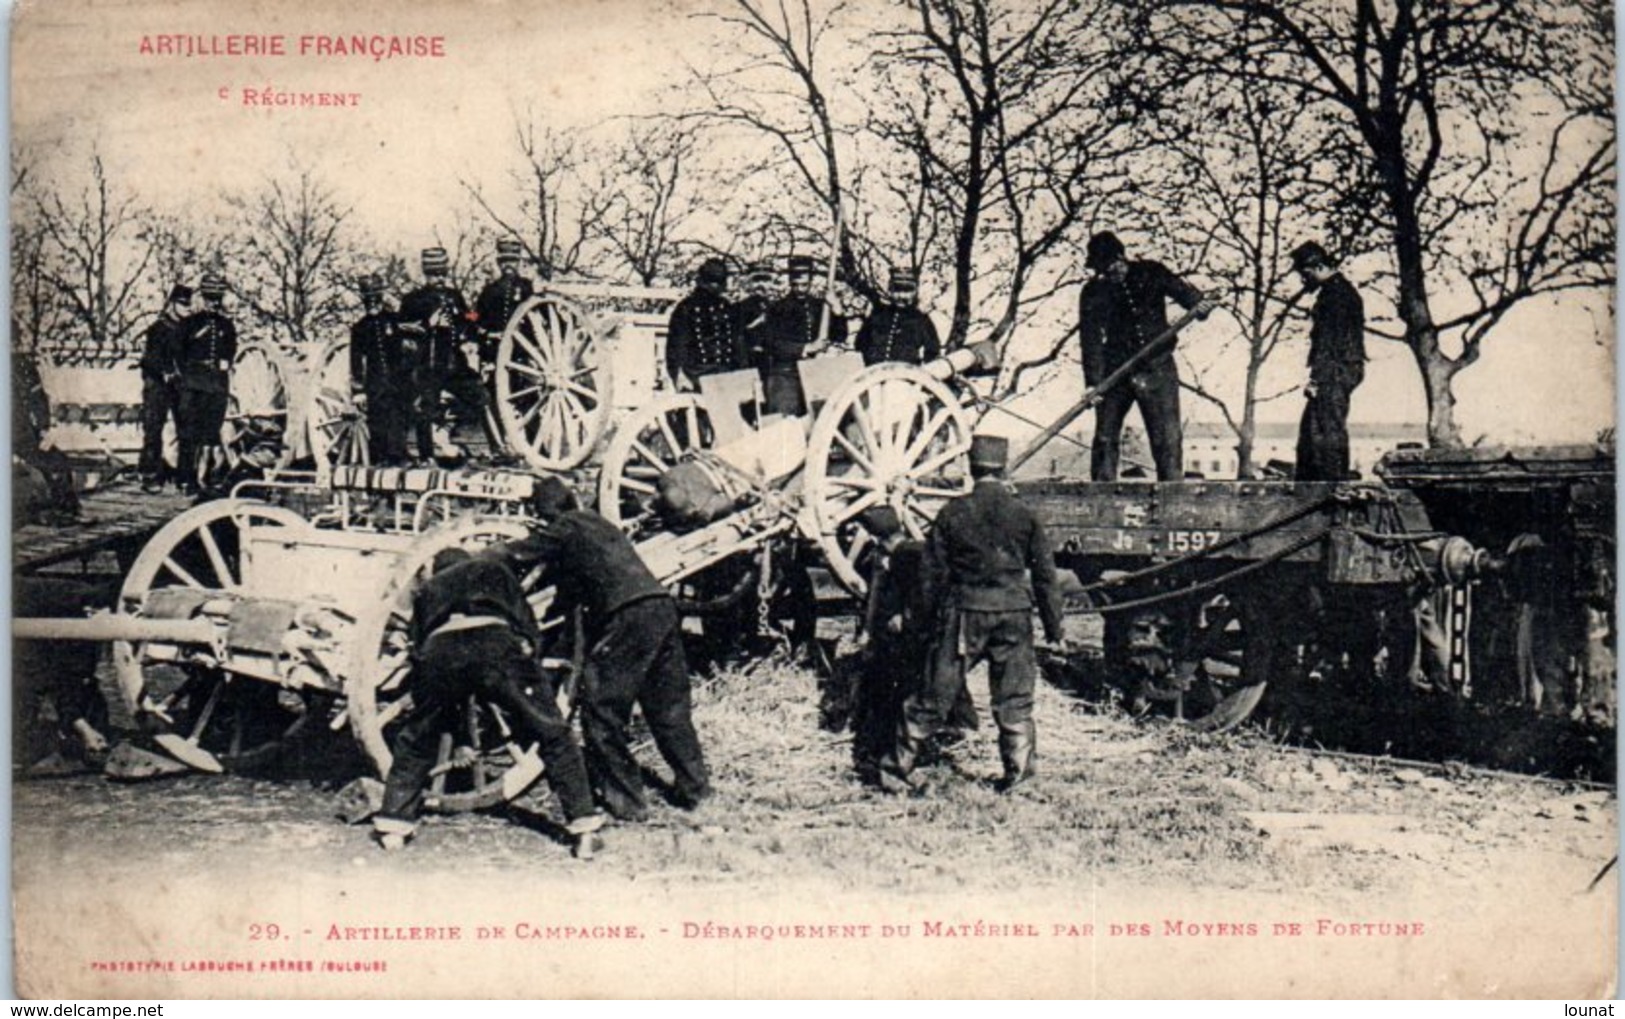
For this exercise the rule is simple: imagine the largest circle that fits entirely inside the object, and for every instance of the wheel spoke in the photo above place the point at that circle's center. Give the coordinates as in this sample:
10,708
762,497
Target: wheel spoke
852,451
857,506
638,486
222,571
923,440
180,572
939,461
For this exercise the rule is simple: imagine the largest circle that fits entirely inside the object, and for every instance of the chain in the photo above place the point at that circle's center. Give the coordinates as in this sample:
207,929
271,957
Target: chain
764,598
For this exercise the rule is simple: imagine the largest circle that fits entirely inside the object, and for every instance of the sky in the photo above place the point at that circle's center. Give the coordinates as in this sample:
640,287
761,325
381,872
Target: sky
177,129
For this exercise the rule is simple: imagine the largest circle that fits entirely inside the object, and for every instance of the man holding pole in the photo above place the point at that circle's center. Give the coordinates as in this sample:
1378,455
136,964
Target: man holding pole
799,325
1122,311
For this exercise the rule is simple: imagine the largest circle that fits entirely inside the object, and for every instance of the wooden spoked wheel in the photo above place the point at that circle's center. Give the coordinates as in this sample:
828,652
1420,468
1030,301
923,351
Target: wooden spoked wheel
335,425
257,407
644,447
892,436
553,383
237,719
479,766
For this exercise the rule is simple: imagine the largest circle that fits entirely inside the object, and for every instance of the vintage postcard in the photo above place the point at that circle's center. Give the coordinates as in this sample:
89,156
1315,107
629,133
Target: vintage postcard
725,498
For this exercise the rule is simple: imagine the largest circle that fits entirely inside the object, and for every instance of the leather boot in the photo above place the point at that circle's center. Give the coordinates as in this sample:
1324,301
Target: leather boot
1018,751
896,769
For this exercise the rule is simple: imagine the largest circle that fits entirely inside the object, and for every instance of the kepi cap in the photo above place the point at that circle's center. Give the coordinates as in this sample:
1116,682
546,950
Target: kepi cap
180,294
713,270
801,265
881,521
372,286
1104,249
904,281
1310,253
212,285
550,497
509,250
989,452
436,261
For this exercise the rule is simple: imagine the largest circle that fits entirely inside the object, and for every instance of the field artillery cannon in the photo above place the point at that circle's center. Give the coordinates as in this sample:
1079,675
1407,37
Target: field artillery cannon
246,622
568,359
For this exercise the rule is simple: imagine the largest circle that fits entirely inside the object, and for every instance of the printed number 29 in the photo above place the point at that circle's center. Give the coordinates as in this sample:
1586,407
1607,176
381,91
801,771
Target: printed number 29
1191,541
264,932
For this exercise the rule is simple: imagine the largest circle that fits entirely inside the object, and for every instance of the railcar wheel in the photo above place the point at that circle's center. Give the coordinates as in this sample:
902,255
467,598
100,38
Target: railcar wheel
553,383
257,407
201,550
377,685
335,425
892,436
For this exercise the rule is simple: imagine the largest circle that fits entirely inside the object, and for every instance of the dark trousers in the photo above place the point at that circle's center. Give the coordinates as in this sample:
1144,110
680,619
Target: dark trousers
892,671
159,401
469,402
637,658
1323,435
389,412
489,663
967,636
1156,393
782,393
197,420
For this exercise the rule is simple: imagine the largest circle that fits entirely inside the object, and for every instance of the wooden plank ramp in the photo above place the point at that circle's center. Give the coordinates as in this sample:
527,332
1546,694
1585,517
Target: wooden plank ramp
116,517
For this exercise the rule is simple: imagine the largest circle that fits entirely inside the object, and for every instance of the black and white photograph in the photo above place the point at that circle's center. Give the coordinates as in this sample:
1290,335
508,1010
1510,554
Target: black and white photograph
813,499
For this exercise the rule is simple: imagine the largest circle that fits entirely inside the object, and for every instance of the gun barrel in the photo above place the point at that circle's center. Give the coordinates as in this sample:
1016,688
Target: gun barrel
107,626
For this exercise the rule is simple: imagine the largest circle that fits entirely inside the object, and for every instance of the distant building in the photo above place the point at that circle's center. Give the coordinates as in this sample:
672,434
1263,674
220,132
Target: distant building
1210,449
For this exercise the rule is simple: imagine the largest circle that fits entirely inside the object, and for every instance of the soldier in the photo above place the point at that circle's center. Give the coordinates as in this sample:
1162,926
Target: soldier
753,310
435,316
208,345
899,330
1120,310
705,336
981,552
499,300
160,371
792,332
381,373
893,637
633,651
473,634
1336,366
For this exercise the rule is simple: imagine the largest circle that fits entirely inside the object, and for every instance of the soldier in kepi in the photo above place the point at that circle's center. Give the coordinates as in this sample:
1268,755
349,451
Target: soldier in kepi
705,336
474,635
435,316
498,301
381,374
1336,366
633,650
987,563
898,330
1121,310
753,310
160,373
208,345
799,325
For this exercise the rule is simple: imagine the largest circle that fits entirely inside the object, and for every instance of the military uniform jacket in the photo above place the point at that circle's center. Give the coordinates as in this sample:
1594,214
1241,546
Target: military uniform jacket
494,307
208,338
1117,318
896,589
705,336
753,326
437,348
792,324
1337,335
592,563
482,586
981,551
379,360
160,357
896,332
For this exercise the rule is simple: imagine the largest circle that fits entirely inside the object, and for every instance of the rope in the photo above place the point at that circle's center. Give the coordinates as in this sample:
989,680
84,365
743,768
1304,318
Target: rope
1202,586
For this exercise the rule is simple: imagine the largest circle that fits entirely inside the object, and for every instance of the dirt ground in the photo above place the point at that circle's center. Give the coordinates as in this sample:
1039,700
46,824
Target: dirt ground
1146,861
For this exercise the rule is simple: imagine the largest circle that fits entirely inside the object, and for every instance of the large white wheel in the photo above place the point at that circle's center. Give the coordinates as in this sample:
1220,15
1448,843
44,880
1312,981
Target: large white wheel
335,425
257,407
553,383
648,444
892,436
377,691
237,719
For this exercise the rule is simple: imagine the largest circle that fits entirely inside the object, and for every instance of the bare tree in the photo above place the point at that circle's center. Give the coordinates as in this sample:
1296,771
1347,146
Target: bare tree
90,263
1448,102
550,208
1248,173
649,179
288,256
